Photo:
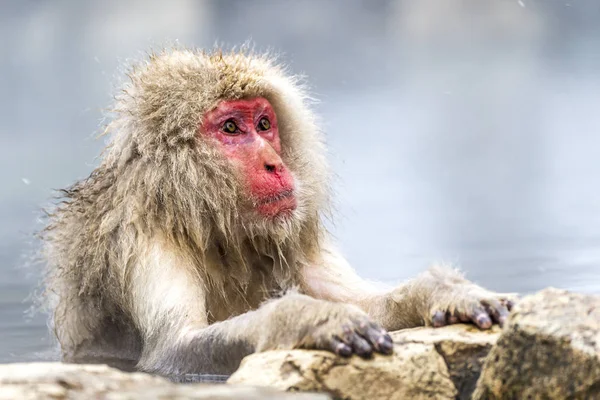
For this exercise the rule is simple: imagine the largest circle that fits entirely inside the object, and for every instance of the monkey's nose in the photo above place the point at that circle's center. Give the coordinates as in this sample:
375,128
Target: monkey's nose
270,168
271,161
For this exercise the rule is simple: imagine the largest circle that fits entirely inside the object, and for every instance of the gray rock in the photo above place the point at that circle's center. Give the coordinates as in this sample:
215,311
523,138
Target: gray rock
427,363
549,350
70,381
463,348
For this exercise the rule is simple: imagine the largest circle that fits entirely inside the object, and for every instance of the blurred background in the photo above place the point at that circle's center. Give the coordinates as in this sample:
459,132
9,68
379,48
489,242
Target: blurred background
465,131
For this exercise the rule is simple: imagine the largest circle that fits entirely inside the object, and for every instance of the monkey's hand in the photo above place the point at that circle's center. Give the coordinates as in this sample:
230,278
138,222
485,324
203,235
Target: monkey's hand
442,296
299,321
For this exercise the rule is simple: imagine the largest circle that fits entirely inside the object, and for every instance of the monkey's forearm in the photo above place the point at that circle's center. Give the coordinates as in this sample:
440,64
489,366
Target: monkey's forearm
395,313
411,304
220,347
407,306
216,349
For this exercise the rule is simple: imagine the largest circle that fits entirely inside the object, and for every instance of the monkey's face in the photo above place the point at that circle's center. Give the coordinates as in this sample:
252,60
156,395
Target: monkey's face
247,132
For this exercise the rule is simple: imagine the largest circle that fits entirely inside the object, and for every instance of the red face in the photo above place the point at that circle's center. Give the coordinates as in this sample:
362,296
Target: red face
248,134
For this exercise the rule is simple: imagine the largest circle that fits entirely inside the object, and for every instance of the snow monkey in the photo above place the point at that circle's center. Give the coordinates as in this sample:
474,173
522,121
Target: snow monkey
199,238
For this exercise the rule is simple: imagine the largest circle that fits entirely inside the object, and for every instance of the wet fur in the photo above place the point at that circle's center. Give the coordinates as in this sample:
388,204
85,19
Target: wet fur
160,178
154,264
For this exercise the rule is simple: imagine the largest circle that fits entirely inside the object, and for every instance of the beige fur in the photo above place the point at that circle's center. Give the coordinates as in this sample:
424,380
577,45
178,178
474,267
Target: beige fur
152,256
160,184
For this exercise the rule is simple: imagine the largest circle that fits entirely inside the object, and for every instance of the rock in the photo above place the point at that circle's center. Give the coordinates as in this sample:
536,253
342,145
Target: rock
427,363
463,348
550,349
71,381
391,377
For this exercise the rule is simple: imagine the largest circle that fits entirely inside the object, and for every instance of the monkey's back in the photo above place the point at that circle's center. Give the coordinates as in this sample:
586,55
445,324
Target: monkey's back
83,247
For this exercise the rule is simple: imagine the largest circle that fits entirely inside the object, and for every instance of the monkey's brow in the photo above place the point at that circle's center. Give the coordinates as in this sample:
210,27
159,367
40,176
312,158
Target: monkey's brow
245,115
234,114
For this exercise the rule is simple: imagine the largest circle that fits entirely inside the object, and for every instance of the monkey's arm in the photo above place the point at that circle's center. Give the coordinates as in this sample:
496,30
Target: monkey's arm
167,301
437,297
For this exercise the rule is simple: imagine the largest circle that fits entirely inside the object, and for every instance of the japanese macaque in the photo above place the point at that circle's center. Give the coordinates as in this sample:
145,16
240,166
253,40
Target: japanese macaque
199,238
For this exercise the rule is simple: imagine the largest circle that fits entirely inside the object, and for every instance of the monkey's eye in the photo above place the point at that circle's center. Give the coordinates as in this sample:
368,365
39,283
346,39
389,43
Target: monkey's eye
264,124
230,127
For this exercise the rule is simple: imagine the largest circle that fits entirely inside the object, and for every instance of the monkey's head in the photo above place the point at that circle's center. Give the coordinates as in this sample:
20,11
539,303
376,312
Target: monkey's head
219,144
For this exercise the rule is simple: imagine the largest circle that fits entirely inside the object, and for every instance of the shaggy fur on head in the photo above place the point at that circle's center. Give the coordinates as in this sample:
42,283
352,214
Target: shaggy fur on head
159,178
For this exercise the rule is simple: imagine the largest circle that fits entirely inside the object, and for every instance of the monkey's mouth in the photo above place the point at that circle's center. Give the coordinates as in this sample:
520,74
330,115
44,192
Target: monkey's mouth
278,204
278,197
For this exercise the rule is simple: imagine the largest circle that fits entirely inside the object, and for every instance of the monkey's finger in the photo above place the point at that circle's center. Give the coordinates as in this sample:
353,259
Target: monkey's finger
438,319
481,318
385,344
452,318
347,333
509,304
508,299
340,348
463,317
379,338
361,347
498,312
369,330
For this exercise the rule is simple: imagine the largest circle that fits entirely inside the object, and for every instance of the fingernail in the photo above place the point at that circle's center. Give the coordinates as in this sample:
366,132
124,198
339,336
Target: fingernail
366,353
484,321
343,350
438,319
384,345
